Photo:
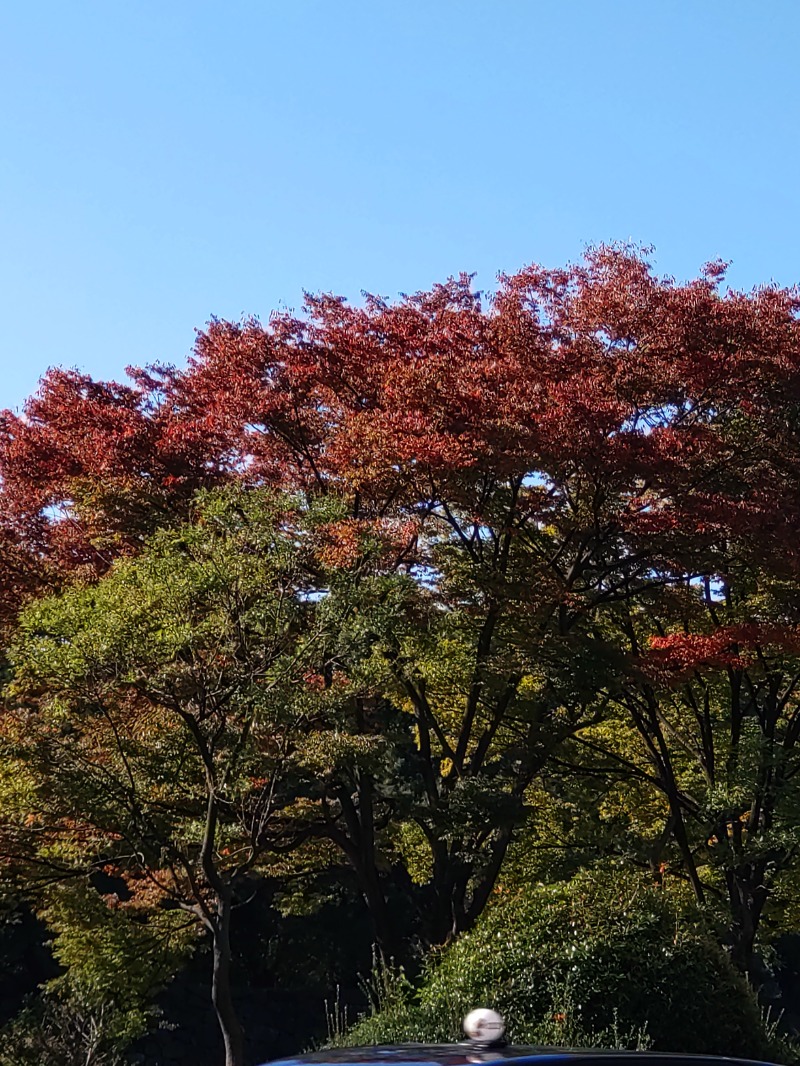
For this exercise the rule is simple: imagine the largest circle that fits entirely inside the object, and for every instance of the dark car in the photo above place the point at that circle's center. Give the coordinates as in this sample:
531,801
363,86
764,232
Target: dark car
462,1054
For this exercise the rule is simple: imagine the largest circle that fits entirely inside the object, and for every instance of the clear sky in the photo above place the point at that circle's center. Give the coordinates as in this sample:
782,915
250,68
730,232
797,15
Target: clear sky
163,161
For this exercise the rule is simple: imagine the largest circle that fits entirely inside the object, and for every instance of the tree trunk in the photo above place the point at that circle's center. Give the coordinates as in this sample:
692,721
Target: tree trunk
441,919
386,939
488,878
221,986
747,896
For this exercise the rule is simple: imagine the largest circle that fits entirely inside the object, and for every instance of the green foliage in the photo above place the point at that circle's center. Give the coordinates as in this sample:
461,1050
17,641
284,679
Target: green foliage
131,696
114,958
599,961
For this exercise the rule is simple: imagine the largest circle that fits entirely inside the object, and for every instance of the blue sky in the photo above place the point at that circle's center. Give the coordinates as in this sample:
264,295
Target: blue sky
163,162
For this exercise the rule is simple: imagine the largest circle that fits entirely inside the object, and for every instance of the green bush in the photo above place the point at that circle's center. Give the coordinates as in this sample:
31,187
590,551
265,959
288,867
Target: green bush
598,961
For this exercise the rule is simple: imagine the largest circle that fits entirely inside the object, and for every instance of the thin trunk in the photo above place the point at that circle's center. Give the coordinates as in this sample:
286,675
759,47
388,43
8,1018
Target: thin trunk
442,924
373,887
663,762
221,996
682,840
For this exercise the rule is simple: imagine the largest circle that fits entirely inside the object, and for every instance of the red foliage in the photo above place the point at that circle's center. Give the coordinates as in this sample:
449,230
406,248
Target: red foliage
675,402
675,657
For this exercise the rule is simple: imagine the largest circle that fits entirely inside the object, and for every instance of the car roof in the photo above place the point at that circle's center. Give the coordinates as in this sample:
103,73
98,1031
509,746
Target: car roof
466,1053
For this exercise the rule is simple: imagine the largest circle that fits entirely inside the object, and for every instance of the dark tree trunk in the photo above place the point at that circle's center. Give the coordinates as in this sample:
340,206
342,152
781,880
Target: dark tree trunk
747,896
221,986
386,939
442,920
484,885
461,887
356,839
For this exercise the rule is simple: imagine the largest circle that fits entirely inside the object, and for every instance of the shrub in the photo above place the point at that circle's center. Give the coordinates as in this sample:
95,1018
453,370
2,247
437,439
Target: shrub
598,961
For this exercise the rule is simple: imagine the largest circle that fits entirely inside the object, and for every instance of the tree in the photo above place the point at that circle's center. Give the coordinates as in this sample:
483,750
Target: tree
151,716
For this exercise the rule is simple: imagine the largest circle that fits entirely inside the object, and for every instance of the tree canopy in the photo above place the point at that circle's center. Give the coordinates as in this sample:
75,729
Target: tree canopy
407,588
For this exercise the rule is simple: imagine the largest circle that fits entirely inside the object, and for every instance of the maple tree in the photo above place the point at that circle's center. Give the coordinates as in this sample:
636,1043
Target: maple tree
148,725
